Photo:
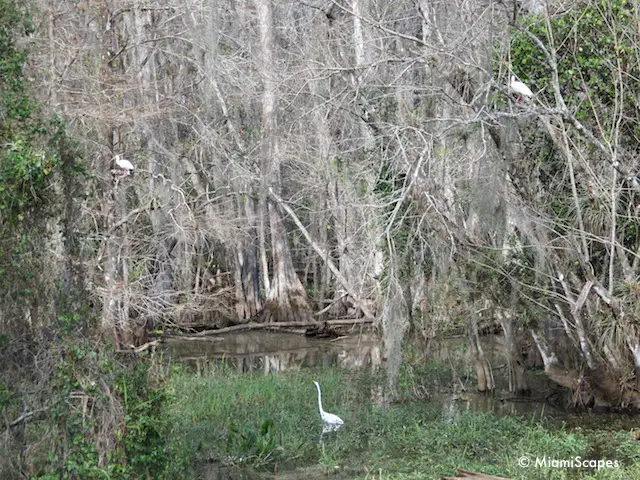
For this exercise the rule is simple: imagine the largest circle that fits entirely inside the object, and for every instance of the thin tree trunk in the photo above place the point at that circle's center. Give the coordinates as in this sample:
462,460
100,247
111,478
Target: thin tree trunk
109,318
483,367
124,324
114,313
247,281
515,362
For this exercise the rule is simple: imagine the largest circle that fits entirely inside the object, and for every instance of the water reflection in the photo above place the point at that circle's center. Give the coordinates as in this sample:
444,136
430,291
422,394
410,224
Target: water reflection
276,352
455,350
453,405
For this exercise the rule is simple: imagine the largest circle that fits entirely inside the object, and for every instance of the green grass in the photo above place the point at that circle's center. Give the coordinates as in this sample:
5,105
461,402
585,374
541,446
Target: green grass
256,424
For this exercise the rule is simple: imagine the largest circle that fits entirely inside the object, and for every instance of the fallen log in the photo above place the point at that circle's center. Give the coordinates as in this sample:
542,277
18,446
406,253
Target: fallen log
278,325
191,337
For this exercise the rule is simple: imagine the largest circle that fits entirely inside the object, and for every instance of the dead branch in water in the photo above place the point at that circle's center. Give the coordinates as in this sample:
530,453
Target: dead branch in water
141,348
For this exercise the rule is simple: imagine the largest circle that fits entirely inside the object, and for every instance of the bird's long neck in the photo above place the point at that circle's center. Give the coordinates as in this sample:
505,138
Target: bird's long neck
319,398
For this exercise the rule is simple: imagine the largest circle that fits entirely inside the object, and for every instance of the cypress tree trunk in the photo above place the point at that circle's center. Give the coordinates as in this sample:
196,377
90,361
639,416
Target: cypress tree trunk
287,299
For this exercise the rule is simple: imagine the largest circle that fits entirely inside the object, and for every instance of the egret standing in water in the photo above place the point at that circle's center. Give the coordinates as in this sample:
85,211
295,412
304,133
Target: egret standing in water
330,422
516,86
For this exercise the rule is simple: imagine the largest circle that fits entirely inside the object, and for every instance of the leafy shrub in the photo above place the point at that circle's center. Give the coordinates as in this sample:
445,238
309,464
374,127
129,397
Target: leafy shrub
253,445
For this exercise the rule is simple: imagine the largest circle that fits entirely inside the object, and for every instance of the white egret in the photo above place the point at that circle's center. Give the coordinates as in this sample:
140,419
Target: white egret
520,88
330,422
124,164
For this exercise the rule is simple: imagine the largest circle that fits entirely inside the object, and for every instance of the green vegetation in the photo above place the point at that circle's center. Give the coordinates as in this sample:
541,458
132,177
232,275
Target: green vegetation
31,160
25,164
178,424
595,45
257,424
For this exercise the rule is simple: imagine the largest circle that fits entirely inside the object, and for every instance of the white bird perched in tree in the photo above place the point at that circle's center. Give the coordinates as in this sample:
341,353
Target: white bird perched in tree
520,88
330,422
124,164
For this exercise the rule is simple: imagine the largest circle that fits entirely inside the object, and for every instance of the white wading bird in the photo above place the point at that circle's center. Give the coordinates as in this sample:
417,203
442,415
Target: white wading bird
330,422
520,88
125,165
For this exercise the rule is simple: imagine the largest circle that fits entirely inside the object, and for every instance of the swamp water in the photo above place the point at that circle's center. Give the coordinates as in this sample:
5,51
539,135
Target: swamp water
269,369
280,352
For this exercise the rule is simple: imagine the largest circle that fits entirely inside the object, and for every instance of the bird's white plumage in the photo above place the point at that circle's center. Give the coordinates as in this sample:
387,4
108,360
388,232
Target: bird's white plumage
330,422
124,164
520,88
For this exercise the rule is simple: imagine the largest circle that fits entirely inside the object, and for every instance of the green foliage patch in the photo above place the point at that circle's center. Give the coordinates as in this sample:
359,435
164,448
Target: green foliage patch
132,402
25,165
598,69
